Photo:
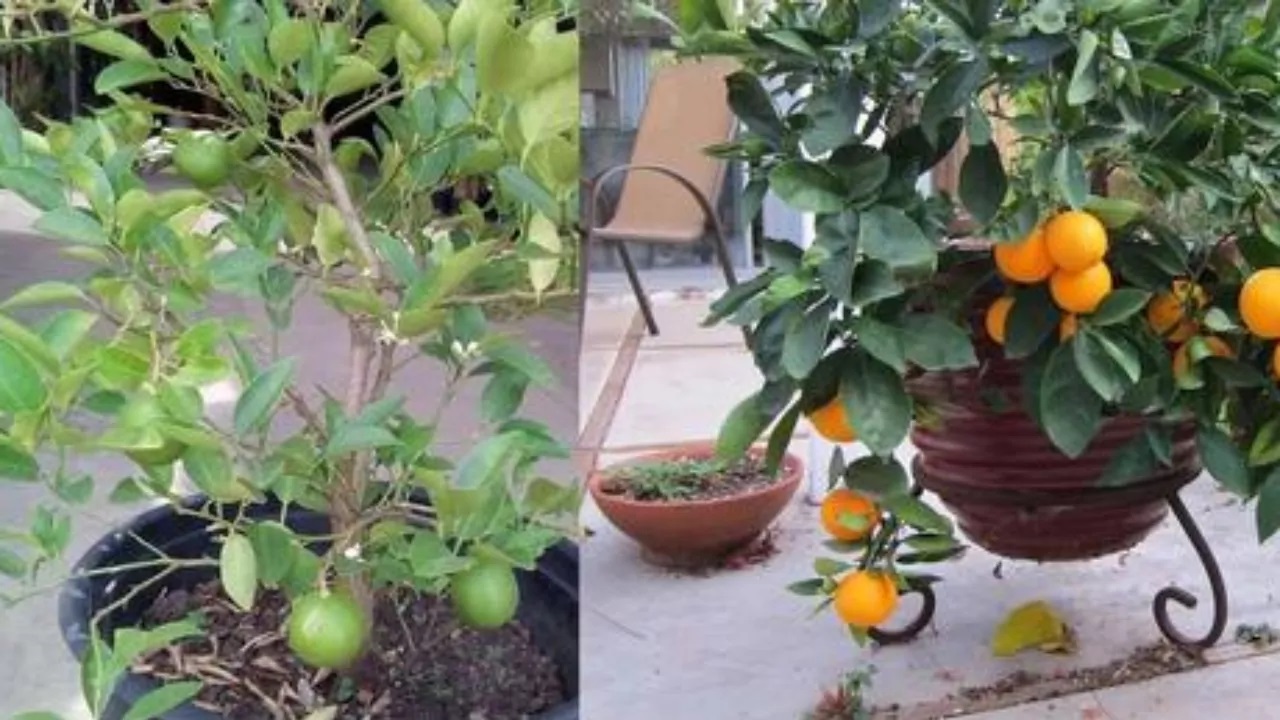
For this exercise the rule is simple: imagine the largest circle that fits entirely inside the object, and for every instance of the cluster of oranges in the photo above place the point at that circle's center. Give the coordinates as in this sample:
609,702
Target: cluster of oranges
1067,252
863,598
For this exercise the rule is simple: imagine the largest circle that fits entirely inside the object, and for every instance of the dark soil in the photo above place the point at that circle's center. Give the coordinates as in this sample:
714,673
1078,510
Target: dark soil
690,478
1144,663
422,664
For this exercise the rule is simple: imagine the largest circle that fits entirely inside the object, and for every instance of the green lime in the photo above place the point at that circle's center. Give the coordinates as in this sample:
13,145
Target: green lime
327,630
203,159
486,595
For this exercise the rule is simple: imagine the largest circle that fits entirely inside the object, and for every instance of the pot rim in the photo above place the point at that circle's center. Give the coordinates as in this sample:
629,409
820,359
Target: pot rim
558,566
792,471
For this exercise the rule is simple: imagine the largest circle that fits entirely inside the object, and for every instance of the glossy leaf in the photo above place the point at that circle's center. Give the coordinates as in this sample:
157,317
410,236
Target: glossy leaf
238,570
259,400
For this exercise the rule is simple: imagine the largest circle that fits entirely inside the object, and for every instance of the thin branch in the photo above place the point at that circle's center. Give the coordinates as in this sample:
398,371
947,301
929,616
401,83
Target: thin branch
349,117
95,24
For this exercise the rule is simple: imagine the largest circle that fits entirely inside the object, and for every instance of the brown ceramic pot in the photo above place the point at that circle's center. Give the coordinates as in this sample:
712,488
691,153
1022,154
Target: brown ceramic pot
1013,492
689,533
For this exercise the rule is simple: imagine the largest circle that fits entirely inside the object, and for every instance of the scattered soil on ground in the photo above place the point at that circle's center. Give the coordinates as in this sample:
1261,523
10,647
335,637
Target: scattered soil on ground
422,664
692,478
1144,663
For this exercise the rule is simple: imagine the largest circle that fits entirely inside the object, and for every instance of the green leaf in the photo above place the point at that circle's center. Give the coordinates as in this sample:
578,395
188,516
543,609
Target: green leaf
354,437
127,73
516,357
110,42
1269,506
862,169
806,341
16,463
44,293
37,716
353,74
780,438
22,389
879,478
1069,173
211,471
502,396
163,699
1096,366
11,151
983,183
807,588
398,258
873,281
1084,79
486,462
807,187
936,343
238,570
882,341
297,120
1032,320
957,85
34,186
273,550
261,397
885,233
1224,461
289,41
12,565
743,426
753,106
1119,306
72,225
1070,411
916,513
517,183
876,402
1265,448
1134,461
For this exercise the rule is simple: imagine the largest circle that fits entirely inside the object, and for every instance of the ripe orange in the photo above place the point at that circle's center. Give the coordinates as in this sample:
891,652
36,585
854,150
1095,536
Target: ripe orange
998,318
1067,327
1182,356
866,598
832,423
1081,292
1026,261
1075,240
842,502
1260,303
1167,312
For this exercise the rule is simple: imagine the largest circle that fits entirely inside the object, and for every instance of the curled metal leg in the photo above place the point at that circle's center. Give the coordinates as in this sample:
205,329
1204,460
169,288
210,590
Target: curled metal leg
912,629
1175,594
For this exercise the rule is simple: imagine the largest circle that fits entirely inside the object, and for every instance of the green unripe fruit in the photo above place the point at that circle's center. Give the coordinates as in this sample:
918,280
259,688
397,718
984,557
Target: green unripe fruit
204,160
486,595
327,630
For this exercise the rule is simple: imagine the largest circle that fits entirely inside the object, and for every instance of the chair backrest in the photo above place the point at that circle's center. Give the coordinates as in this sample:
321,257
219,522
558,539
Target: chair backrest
686,111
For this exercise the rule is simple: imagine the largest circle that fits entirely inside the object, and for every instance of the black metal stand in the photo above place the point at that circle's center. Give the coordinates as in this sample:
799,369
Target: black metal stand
1160,606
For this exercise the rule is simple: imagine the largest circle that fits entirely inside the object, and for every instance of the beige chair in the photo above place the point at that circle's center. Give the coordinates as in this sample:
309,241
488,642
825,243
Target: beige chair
670,186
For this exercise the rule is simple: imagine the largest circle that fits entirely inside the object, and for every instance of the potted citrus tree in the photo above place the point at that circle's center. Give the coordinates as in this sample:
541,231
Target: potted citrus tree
1068,337
333,562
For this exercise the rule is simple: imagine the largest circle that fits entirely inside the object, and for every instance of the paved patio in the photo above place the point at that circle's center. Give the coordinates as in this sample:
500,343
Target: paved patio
736,645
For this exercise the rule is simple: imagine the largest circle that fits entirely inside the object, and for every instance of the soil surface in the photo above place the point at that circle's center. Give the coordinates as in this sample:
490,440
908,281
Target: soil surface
690,478
422,664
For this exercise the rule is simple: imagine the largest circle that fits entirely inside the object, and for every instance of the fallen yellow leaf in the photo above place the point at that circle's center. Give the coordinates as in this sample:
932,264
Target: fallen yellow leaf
1034,625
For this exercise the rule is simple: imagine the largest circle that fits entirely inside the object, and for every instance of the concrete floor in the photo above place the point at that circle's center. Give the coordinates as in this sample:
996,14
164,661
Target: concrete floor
736,645
36,672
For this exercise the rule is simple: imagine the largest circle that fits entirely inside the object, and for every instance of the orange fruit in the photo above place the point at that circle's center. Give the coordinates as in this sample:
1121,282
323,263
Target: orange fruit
866,598
1075,240
832,422
1260,303
1167,312
1182,356
842,502
1026,261
998,318
1067,327
1081,292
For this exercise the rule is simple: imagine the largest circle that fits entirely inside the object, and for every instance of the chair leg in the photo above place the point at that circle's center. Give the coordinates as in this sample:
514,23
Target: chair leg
634,278
726,264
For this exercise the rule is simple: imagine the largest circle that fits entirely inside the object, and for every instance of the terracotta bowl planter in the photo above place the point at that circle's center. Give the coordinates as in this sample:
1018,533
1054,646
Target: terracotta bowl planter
687,533
1014,494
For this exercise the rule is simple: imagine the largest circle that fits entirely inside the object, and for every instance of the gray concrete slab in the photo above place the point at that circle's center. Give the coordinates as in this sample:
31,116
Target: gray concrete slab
37,672
737,642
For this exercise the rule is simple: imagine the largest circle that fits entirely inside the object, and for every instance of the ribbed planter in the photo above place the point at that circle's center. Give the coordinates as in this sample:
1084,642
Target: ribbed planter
1013,492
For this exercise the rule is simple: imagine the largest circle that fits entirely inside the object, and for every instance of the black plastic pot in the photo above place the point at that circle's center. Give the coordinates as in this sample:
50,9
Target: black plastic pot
549,597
